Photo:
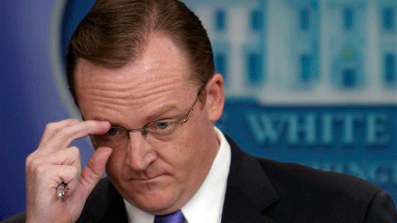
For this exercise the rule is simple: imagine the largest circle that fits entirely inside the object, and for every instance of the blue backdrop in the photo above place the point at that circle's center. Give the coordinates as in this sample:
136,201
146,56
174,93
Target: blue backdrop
307,81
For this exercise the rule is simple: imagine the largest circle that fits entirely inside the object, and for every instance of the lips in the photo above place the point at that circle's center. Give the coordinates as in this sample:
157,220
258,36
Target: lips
145,178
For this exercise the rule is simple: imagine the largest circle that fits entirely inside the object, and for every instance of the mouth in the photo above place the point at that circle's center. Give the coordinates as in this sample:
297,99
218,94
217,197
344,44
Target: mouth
147,179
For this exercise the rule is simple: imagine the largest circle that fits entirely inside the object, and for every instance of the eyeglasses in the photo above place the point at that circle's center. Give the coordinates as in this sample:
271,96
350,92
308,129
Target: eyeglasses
161,130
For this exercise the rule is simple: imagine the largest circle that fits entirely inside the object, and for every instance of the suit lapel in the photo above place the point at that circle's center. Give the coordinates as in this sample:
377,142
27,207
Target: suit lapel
117,213
248,191
104,205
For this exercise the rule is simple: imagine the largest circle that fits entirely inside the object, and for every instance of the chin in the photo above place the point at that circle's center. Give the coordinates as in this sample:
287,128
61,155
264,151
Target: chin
151,197
155,203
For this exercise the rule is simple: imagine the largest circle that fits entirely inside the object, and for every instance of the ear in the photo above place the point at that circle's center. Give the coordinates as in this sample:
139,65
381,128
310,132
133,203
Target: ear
215,97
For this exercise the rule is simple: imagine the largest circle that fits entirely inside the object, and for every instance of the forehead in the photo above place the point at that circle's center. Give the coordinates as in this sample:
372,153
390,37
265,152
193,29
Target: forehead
159,77
161,62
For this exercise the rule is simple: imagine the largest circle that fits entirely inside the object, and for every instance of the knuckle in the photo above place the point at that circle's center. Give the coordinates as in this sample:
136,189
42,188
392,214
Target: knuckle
29,160
55,127
37,166
75,151
41,170
62,131
75,171
34,163
50,127
50,130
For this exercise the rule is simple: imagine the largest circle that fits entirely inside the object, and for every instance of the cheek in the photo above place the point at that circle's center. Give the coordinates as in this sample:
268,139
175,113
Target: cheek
193,149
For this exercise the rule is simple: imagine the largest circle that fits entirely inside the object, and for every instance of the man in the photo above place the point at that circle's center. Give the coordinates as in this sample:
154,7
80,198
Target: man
142,74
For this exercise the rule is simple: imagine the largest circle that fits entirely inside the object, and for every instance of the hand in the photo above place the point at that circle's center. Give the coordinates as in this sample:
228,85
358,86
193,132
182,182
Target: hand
55,162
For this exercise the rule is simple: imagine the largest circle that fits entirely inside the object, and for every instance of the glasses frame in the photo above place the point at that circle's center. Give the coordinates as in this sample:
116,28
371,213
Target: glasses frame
182,121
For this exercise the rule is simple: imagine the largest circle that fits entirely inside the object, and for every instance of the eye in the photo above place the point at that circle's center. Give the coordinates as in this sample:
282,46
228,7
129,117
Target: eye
162,125
113,131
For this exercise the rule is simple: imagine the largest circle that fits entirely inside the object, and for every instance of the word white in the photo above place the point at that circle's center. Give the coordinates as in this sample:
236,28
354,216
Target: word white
324,128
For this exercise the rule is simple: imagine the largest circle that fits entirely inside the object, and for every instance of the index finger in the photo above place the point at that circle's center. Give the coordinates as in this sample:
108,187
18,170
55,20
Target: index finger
66,135
52,128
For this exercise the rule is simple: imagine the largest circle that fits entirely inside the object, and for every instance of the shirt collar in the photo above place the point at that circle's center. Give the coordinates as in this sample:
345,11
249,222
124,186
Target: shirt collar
207,204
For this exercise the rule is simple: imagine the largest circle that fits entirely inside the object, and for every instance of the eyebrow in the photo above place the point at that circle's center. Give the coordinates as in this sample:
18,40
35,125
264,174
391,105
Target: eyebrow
161,112
151,118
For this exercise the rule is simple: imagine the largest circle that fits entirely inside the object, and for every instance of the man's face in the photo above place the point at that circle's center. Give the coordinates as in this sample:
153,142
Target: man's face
157,176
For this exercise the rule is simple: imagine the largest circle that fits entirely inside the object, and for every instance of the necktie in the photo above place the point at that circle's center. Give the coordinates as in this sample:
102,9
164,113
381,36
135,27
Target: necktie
176,217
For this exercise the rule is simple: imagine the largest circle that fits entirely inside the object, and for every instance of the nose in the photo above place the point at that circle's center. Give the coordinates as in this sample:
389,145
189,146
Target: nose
140,153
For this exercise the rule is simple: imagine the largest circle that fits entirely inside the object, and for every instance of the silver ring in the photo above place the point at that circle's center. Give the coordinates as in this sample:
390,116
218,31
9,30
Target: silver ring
61,190
61,194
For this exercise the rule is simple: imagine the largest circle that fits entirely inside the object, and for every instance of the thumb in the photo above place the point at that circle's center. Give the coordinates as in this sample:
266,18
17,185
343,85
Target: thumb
94,170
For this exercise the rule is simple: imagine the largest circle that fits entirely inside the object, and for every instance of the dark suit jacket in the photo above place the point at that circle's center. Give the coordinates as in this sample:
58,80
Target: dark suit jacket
261,190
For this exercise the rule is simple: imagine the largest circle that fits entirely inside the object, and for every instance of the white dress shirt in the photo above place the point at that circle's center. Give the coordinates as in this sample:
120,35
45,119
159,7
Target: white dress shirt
207,204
